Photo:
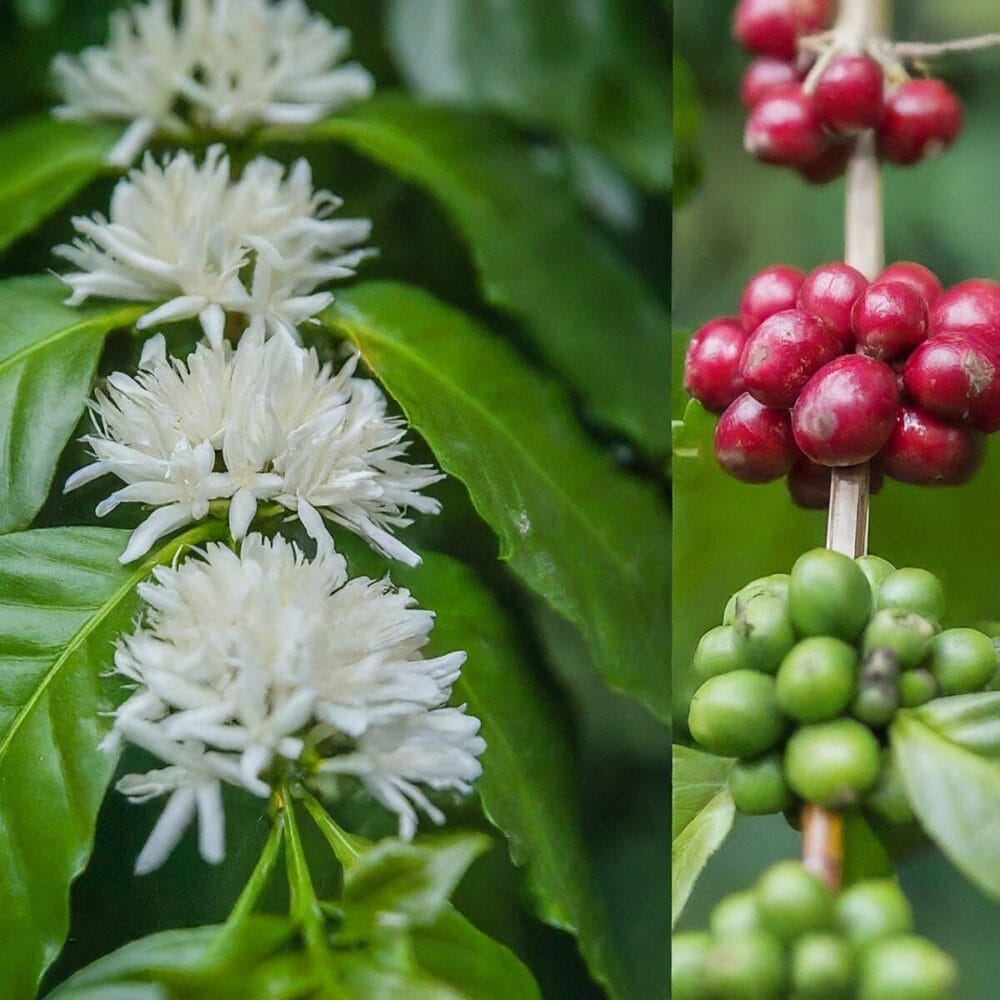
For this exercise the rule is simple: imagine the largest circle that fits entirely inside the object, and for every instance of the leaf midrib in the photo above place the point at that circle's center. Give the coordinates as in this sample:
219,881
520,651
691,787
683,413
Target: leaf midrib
627,569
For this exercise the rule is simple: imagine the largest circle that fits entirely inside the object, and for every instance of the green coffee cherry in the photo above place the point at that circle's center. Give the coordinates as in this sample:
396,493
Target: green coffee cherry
915,590
688,952
736,914
889,798
758,786
906,968
764,624
747,966
822,968
876,570
916,687
816,680
832,763
720,650
793,901
828,594
963,660
870,911
878,688
736,714
775,585
907,635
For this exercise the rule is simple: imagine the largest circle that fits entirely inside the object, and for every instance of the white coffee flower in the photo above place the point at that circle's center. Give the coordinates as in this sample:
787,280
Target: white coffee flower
262,422
225,66
187,236
242,659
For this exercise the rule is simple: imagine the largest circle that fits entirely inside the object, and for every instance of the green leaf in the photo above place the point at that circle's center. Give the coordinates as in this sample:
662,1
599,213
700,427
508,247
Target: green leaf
589,539
48,355
587,313
529,773
864,855
594,69
43,163
64,599
399,885
955,790
687,165
702,817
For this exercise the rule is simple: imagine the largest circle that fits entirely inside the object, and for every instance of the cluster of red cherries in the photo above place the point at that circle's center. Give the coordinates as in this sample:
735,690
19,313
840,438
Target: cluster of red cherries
827,369
813,132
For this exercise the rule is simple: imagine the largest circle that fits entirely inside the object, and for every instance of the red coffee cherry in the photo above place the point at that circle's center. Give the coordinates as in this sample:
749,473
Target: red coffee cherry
922,117
928,451
889,319
956,377
771,27
846,411
848,96
782,128
830,164
923,279
753,442
768,292
763,75
829,292
782,354
809,483
969,306
712,363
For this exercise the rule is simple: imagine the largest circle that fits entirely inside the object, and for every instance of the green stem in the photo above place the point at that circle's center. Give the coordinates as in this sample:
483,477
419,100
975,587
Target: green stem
346,847
305,908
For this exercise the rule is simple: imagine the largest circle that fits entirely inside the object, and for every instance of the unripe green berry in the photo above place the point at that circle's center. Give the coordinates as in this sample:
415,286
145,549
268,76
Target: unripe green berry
817,679
878,688
828,594
764,625
822,968
963,660
832,763
688,953
889,799
793,901
876,570
758,786
747,966
736,714
775,585
719,651
907,635
916,590
736,914
869,911
906,968
916,687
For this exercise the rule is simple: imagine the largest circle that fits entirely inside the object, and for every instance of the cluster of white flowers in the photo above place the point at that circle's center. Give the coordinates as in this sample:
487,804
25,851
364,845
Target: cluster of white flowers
203,245
246,656
263,421
243,658
225,66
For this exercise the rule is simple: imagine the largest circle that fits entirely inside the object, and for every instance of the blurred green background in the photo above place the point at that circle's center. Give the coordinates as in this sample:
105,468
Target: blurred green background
739,217
591,142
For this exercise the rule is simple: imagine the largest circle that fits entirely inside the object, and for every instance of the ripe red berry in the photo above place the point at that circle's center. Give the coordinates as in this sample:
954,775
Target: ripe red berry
782,354
969,306
889,319
829,165
848,96
768,292
771,27
782,128
923,279
928,451
955,376
846,411
809,483
830,291
922,117
763,75
753,442
712,363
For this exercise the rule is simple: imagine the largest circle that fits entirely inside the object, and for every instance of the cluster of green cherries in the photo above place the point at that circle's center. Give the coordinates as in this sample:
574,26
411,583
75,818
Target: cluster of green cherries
789,936
808,669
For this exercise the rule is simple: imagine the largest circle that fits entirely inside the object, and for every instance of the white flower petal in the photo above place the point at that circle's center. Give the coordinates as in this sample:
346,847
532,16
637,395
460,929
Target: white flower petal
161,522
169,828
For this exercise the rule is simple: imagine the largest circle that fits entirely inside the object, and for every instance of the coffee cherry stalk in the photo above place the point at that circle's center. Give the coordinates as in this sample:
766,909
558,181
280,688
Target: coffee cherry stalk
832,379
